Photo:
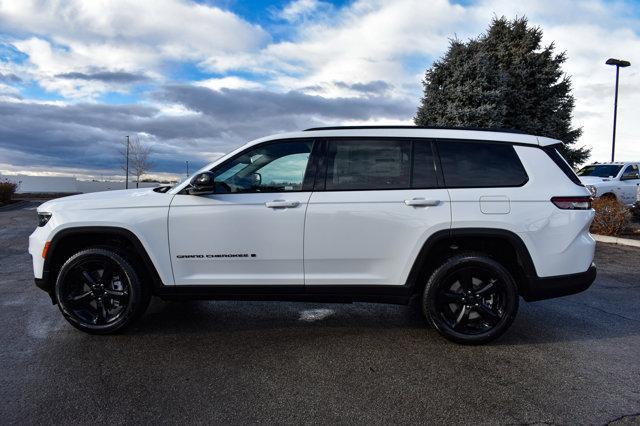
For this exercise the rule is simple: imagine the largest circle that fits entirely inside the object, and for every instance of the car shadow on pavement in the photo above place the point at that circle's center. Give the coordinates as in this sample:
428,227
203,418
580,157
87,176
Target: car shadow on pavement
561,320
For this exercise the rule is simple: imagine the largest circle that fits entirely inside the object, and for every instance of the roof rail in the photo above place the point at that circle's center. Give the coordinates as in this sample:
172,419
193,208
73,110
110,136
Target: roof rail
418,127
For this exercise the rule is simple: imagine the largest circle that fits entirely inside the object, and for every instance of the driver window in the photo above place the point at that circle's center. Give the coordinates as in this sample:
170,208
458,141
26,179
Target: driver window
631,172
277,167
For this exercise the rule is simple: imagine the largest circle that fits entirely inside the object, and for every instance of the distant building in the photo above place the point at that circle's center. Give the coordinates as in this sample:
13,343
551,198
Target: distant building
66,185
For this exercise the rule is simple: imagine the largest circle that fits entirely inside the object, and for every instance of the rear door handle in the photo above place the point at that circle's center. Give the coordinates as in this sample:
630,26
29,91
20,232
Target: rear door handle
421,202
281,204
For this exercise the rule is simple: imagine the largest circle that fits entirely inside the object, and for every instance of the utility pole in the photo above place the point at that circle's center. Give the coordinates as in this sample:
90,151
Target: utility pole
187,168
126,182
617,63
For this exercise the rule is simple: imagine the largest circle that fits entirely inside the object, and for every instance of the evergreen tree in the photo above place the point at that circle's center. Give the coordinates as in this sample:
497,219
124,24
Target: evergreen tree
503,79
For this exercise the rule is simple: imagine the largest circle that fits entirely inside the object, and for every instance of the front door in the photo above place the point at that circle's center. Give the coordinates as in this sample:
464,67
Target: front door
251,230
629,181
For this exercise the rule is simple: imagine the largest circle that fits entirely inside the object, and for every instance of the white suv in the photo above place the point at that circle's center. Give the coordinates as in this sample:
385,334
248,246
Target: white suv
615,180
465,221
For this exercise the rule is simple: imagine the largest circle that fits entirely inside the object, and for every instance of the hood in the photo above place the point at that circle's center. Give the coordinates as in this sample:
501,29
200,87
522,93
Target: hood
126,198
594,180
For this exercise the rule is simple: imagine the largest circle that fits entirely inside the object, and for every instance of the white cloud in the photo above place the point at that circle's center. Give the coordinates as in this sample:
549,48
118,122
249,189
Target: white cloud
366,41
139,36
231,82
326,51
299,9
383,40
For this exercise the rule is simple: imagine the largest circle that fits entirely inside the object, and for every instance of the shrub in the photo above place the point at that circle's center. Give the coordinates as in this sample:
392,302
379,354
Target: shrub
7,189
611,218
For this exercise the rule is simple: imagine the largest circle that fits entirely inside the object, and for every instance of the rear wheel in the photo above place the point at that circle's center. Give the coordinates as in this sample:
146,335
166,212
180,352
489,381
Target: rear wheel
470,299
99,291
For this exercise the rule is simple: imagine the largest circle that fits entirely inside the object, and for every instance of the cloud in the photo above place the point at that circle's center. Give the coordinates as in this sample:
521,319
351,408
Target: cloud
309,63
301,9
210,122
377,87
255,104
10,78
105,76
231,82
120,37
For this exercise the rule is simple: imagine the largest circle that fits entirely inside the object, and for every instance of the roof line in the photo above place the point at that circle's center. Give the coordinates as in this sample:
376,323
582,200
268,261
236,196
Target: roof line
493,129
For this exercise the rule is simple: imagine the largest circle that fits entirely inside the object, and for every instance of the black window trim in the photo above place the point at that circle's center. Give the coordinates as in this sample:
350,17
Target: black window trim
321,176
307,181
314,179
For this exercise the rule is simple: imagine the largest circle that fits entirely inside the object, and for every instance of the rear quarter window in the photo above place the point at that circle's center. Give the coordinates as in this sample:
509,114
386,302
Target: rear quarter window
480,164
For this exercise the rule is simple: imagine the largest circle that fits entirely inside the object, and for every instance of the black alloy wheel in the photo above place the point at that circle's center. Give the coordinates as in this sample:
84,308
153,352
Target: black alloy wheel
471,299
99,291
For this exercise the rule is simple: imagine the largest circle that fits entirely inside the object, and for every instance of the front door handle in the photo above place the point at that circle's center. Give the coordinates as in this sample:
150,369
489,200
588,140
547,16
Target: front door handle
281,204
421,202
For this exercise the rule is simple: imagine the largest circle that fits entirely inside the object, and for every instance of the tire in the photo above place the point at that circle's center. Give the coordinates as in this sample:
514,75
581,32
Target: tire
470,299
99,304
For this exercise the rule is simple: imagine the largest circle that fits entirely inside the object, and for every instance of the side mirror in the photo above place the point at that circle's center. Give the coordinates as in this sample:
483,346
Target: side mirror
202,184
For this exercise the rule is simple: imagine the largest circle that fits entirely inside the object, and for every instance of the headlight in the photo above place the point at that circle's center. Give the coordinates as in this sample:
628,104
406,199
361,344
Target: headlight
43,218
593,190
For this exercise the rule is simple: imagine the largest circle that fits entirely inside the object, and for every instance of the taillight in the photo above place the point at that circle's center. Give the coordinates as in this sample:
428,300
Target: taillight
572,203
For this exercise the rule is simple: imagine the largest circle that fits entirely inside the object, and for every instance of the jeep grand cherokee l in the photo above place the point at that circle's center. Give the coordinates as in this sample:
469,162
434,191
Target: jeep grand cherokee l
465,221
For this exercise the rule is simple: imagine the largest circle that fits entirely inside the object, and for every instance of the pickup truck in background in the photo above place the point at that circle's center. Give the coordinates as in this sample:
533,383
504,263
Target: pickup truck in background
616,180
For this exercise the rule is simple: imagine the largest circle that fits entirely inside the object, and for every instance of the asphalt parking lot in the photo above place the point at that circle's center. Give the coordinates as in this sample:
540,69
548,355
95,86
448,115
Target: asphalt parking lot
564,361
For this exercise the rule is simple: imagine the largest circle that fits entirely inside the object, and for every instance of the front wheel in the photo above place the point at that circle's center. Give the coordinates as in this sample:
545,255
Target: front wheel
99,291
470,299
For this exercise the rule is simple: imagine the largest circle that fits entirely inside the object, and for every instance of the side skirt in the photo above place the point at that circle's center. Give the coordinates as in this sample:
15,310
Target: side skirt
395,294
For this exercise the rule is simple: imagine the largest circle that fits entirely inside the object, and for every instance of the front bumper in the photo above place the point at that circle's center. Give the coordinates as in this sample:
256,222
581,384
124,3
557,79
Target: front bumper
558,286
46,285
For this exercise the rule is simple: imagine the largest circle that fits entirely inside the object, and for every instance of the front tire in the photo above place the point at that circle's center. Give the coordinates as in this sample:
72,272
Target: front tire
99,291
470,299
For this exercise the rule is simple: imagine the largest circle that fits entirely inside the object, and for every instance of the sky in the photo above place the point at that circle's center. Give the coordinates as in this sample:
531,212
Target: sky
196,79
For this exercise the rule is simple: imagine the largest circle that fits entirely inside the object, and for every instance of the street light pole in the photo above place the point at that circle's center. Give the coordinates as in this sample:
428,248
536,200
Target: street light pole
187,168
126,182
618,63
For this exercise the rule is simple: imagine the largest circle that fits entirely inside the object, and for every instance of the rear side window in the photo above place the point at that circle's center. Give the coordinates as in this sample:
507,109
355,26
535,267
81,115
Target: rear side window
368,164
480,164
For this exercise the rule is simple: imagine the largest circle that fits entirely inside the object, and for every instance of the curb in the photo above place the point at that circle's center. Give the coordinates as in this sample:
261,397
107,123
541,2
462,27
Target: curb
616,240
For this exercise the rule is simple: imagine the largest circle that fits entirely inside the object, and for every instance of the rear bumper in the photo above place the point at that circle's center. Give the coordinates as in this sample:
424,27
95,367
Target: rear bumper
558,286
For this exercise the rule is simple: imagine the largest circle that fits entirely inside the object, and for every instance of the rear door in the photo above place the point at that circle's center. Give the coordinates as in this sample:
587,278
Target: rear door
375,203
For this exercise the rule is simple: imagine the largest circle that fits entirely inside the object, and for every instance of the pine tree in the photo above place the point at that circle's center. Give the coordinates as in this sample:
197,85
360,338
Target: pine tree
503,79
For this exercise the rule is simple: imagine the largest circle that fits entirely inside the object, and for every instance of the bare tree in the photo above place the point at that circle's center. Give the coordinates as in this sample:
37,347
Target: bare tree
139,158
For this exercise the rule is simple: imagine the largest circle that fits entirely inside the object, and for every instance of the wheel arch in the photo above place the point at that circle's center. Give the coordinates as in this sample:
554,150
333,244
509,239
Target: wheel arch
70,240
500,244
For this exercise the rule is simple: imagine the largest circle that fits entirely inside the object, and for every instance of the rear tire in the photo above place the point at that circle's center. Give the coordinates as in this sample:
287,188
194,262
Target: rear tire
99,291
470,299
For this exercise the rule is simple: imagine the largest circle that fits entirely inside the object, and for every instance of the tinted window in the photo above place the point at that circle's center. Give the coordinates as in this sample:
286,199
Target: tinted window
631,172
480,164
363,164
600,170
424,171
276,167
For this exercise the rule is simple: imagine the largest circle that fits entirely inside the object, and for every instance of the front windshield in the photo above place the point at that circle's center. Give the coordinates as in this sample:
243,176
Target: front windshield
600,170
